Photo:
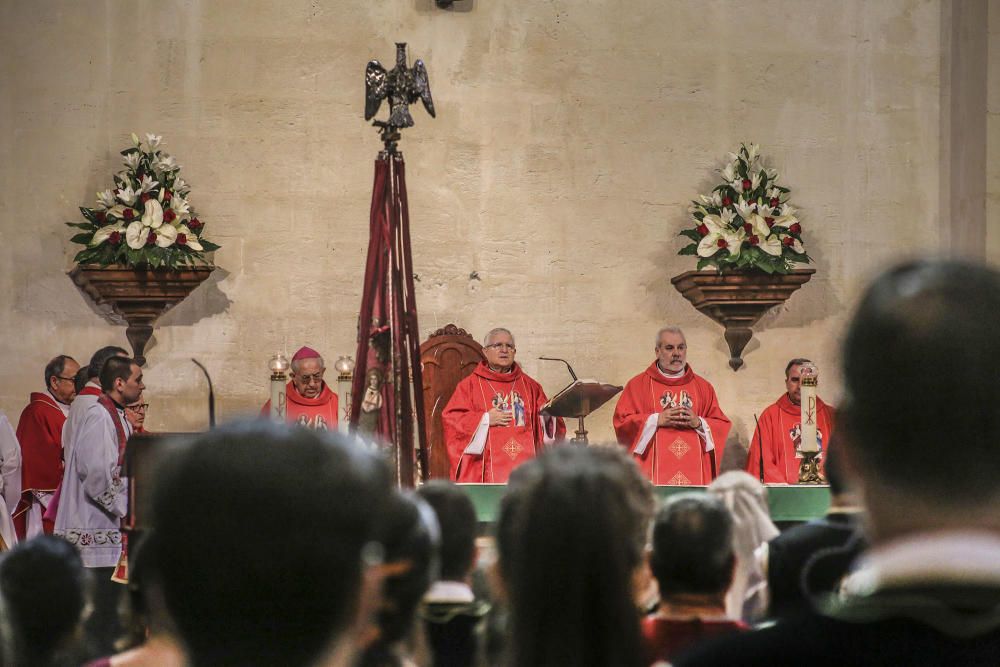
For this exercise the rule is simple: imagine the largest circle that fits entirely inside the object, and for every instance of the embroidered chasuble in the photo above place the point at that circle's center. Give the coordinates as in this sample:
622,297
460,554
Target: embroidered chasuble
480,453
668,455
780,433
318,413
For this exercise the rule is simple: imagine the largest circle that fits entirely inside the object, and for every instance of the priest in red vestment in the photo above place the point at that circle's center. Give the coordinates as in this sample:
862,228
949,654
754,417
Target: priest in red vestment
493,423
670,418
39,431
778,431
309,401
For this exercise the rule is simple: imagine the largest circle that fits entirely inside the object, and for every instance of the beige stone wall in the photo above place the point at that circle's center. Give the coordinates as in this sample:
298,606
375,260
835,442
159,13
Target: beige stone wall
993,135
570,137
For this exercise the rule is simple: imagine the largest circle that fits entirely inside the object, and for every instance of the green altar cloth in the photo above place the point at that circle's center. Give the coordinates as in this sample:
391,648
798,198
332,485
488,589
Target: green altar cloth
788,502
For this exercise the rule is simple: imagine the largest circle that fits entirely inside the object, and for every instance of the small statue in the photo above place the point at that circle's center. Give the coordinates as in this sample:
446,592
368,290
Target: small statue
403,86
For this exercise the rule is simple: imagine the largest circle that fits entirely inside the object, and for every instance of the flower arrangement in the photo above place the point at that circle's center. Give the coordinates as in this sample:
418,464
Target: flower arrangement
746,223
146,219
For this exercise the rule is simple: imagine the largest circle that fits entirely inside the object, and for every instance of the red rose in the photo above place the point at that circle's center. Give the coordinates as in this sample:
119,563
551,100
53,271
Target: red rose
774,202
151,239
754,240
769,221
746,184
167,196
747,227
115,238
169,215
128,214
702,228
726,201
196,224
796,228
102,217
182,239
145,197
787,241
722,243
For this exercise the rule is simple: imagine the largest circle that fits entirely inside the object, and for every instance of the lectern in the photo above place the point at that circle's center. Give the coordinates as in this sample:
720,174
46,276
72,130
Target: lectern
578,400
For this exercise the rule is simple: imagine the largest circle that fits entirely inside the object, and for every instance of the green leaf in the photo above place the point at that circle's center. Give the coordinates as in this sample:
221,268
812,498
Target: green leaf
691,234
82,237
88,214
208,246
82,225
689,250
702,263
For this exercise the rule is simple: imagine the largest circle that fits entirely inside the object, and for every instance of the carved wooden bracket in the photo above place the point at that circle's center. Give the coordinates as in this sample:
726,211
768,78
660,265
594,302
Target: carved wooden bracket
738,300
140,296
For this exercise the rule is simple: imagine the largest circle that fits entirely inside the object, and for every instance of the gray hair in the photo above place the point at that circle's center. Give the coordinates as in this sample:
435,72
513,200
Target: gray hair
493,332
671,329
295,364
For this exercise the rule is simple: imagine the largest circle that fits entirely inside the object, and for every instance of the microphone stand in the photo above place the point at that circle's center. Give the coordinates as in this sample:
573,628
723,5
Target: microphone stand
211,395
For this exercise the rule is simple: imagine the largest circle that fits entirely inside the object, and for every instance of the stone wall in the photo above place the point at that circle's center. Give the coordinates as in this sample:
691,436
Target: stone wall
545,197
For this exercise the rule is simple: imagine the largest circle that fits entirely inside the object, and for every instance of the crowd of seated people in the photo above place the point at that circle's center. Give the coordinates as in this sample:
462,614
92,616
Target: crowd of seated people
274,545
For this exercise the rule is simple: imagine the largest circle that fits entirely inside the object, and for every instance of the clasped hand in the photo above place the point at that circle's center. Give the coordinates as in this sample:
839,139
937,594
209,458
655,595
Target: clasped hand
678,417
500,417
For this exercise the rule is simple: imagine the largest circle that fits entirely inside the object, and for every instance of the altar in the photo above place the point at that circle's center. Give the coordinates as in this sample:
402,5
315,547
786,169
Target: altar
788,502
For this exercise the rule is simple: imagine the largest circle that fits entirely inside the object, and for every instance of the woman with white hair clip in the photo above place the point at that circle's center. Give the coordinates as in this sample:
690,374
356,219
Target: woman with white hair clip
746,499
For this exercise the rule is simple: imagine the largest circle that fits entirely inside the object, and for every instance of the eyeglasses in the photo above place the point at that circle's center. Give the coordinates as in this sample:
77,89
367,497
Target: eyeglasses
138,407
502,346
309,379
60,377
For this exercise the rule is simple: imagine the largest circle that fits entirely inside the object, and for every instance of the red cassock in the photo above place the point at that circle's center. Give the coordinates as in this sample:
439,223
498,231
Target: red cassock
779,433
39,431
318,413
506,447
672,456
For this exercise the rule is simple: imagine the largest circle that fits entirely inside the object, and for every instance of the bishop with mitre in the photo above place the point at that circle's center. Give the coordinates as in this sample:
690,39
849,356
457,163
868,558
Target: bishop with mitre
670,418
309,401
493,422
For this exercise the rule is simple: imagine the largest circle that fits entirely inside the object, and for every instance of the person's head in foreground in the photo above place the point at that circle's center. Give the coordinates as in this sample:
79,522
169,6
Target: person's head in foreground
571,538
410,536
259,532
693,556
457,517
922,399
43,585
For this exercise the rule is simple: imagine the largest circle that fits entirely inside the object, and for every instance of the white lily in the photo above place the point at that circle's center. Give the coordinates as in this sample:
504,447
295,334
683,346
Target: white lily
697,208
787,217
152,217
102,234
755,180
132,160
105,199
135,235
166,235
135,139
773,193
772,174
728,215
753,152
190,238
180,187
744,208
153,141
147,184
764,209
728,172
766,241
116,211
717,230
166,163
179,205
127,195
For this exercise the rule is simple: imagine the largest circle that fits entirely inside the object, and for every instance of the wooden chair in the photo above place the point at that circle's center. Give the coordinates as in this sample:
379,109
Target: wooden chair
448,355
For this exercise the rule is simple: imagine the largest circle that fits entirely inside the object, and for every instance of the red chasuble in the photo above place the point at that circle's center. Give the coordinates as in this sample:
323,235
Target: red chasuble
506,447
673,456
780,433
39,431
318,413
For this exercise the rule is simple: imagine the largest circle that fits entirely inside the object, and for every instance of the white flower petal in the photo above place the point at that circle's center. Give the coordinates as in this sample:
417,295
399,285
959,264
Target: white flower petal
166,235
709,245
153,215
135,235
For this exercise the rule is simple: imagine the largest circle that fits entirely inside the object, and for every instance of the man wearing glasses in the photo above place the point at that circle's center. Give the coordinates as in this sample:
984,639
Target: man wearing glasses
309,400
135,413
39,431
492,423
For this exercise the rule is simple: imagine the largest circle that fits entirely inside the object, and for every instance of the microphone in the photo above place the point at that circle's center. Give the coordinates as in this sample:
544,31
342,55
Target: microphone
760,445
211,395
572,374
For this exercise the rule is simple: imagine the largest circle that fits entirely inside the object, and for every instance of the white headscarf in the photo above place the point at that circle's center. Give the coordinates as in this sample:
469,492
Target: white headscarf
746,499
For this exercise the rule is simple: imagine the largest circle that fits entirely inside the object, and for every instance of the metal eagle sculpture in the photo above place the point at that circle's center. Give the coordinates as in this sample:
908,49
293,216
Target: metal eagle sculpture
403,86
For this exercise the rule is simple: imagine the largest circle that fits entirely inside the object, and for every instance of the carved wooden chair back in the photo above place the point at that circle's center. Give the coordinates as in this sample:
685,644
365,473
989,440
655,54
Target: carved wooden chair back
448,355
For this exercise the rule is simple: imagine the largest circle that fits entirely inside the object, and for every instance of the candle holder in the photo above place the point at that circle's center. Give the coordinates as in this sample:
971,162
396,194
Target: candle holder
278,365
345,377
